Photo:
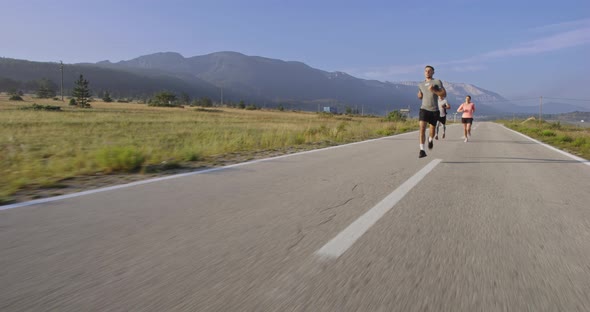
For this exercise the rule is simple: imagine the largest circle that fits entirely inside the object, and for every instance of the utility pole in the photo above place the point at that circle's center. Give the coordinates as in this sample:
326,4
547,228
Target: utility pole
61,68
221,94
540,109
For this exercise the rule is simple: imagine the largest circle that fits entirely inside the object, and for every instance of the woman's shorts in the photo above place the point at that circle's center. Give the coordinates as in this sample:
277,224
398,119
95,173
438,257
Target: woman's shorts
467,120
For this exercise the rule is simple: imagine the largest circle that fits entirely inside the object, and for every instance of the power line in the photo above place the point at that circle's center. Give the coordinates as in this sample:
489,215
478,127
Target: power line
531,99
567,99
509,100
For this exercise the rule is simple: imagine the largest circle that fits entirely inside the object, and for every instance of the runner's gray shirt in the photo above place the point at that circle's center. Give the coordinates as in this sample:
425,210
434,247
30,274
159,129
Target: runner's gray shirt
429,99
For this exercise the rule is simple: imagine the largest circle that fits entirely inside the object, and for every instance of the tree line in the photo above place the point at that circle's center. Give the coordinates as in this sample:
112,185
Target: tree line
81,96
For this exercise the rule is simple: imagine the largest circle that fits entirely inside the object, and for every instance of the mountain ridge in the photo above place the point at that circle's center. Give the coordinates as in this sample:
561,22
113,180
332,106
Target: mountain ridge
264,81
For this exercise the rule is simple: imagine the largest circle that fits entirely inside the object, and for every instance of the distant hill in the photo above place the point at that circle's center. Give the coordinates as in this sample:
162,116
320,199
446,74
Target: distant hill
270,82
264,81
276,81
553,108
487,102
119,83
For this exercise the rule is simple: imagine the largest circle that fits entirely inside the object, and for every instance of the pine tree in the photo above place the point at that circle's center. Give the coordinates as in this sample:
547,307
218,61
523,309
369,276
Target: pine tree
81,92
45,89
107,97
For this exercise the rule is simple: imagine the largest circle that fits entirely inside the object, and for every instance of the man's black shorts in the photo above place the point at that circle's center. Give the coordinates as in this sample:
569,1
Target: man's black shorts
467,120
429,116
443,119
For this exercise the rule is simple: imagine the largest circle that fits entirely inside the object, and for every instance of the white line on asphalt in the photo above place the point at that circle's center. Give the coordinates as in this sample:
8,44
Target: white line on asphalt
120,186
580,159
339,244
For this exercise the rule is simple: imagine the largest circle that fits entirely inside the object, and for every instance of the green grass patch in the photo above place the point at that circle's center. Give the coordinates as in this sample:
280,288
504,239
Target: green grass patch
113,159
572,138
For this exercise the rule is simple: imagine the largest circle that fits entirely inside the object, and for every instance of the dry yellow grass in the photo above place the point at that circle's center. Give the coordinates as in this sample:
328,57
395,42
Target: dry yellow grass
40,148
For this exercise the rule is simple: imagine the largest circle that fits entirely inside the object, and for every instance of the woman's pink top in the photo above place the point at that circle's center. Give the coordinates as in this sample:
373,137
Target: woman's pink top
468,109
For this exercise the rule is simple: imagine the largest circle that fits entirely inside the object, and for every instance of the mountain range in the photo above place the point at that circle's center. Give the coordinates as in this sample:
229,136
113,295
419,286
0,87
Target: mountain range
263,81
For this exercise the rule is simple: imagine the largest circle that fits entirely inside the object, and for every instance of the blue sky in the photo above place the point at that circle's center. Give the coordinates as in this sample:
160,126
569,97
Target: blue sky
515,48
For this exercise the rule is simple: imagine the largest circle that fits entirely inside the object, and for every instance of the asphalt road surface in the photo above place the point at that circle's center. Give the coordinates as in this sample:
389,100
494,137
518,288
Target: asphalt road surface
501,223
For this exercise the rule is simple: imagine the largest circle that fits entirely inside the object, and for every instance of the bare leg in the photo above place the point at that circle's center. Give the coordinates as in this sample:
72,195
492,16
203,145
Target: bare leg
465,131
437,127
432,132
469,129
422,131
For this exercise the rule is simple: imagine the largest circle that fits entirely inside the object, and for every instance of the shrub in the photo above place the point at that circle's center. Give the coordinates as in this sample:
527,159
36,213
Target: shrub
395,116
125,159
190,155
565,138
341,128
73,102
36,106
385,132
164,99
15,97
579,142
548,133
321,130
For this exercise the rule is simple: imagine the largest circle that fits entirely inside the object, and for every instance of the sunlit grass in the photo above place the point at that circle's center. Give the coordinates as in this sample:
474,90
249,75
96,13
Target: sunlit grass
40,148
573,139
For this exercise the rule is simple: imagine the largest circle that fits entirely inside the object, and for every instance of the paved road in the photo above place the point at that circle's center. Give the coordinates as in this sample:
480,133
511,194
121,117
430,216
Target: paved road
497,224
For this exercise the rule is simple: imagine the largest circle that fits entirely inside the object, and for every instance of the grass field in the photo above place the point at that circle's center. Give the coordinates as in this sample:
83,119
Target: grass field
571,138
41,148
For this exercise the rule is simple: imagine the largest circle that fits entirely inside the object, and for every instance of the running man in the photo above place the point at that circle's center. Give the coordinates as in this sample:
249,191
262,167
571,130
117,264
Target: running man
429,91
443,105
468,108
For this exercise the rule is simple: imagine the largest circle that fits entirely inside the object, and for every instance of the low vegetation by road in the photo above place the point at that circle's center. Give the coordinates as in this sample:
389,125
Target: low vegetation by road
571,138
51,148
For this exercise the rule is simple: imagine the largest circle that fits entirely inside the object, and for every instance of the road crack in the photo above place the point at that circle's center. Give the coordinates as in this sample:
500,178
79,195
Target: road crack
339,205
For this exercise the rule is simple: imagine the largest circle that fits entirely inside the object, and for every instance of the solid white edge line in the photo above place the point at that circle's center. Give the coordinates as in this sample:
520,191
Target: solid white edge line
345,239
120,186
580,159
